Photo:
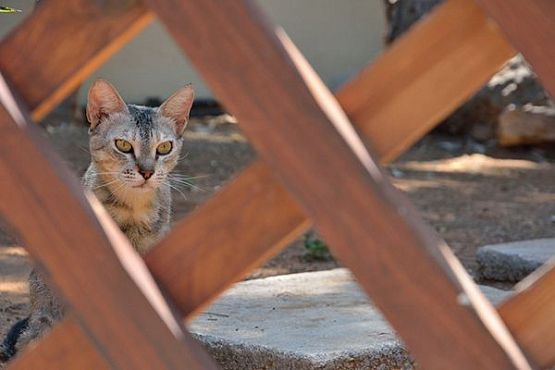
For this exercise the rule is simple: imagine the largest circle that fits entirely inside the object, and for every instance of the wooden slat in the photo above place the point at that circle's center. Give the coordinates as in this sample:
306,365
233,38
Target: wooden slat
86,256
192,282
56,353
298,128
530,27
424,76
62,43
530,317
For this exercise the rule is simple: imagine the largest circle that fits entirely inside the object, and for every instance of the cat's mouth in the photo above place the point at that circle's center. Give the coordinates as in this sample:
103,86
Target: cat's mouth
140,185
145,185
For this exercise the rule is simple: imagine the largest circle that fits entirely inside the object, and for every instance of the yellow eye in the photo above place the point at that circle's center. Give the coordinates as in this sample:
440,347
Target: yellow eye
124,146
164,148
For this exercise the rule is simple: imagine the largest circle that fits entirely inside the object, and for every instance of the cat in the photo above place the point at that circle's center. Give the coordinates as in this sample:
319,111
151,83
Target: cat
133,151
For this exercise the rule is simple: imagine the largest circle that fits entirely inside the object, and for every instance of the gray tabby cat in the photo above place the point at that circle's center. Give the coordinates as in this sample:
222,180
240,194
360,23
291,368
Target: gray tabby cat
133,150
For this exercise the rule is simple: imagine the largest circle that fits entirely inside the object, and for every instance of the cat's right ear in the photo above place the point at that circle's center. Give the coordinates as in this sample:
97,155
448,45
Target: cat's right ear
103,99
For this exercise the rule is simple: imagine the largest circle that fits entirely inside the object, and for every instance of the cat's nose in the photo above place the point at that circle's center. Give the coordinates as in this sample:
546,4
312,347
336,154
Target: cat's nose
146,174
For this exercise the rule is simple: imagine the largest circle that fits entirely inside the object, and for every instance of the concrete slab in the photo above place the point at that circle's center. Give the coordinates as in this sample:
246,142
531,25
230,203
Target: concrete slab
513,261
316,320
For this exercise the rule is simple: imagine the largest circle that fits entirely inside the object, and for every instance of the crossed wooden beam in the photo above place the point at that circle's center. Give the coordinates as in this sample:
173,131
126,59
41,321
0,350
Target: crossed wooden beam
315,167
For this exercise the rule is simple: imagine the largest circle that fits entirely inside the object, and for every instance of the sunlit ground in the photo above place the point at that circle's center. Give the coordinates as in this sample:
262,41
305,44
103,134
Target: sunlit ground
14,268
473,200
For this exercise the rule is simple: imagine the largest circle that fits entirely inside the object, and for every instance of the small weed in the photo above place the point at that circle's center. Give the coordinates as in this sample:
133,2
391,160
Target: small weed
315,248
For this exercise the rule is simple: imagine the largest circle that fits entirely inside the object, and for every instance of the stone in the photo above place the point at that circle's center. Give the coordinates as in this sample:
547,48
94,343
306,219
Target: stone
512,262
526,125
316,320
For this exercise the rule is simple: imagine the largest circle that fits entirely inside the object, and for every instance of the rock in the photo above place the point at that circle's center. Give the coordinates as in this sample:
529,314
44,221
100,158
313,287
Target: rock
316,320
512,262
526,125
514,84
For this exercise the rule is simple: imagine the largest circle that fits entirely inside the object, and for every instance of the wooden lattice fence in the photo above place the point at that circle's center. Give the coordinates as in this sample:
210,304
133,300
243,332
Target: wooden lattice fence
303,134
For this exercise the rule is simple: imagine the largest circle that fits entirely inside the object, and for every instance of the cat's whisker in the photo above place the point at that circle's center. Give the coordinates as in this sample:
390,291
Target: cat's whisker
117,191
83,149
183,156
107,173
180,175
177,189
106,184
182,181
175,173
187,183
185,179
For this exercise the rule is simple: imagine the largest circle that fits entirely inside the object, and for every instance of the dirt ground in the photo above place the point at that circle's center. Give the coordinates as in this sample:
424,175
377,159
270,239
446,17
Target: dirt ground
473,194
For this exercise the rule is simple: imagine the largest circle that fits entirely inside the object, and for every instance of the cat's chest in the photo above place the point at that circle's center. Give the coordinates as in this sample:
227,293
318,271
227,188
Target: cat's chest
143,218
142,227
127,215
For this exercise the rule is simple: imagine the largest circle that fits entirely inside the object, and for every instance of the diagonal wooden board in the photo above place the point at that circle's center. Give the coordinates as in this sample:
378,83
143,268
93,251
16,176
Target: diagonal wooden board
469,35
62,43
530,26
299,129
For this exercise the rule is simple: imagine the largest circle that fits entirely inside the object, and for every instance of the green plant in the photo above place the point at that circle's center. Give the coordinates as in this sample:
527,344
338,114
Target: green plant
316,249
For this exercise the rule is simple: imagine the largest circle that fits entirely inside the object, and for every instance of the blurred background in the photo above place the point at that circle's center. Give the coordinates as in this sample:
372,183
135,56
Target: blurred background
337,37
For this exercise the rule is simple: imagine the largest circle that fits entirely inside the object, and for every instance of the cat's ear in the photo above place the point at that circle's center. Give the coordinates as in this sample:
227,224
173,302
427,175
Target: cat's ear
178,106
103,99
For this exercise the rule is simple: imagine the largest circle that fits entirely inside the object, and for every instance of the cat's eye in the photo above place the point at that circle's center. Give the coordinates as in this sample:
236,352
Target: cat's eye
164,148
124,146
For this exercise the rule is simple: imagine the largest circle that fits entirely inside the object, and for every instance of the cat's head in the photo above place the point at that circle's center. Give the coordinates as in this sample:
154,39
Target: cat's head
136,147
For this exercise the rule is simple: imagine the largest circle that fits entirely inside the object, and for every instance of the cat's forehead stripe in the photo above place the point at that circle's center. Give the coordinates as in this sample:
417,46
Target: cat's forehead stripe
143,117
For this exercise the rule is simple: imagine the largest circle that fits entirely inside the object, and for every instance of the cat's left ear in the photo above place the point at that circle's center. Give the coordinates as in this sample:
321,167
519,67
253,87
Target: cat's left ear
103,100
178,106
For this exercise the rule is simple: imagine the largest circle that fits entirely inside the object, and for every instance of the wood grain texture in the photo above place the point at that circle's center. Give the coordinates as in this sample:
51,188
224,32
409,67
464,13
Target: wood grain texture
299,129
530,27
424,76
62,43
86,256
57,353
530,317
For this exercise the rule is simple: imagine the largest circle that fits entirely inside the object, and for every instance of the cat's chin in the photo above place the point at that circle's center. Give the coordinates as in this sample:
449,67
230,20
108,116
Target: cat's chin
144,187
